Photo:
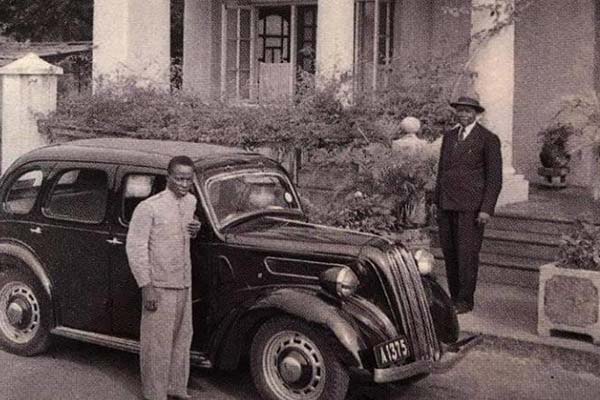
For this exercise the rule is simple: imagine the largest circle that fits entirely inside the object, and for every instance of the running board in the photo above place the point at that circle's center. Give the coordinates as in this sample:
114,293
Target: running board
132,346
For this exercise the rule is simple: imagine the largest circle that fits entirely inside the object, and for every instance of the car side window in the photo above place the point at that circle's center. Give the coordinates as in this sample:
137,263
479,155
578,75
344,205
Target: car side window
23,193
79,195
136,188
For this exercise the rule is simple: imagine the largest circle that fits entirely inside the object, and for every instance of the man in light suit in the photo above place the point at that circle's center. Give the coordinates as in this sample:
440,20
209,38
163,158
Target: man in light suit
468,184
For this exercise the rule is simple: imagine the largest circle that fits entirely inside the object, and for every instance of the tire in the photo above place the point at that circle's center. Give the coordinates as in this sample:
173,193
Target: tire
25,313
290,360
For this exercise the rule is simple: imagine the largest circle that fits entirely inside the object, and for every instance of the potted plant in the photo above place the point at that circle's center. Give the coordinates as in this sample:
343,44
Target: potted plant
554,154
569,289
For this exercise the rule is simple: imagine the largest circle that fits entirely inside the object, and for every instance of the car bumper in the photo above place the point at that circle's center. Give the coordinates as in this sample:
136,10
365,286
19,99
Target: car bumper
452,355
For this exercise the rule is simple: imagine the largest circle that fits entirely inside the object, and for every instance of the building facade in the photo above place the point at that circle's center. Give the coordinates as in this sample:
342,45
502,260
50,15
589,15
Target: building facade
520,64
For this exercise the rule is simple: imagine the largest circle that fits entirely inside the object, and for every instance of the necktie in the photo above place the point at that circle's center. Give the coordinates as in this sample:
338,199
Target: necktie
461,133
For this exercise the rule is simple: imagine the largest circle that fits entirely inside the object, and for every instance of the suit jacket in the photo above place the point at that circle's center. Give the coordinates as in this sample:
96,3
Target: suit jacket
469,172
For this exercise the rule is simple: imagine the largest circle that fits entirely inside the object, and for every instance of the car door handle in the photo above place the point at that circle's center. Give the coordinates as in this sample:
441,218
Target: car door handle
36,230
114,241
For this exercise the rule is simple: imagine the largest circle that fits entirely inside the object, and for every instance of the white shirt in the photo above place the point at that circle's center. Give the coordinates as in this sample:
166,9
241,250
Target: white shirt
467,129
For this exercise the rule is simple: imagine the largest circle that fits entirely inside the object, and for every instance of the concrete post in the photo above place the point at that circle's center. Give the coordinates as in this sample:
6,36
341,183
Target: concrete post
492,61
132,39
28,91
335,38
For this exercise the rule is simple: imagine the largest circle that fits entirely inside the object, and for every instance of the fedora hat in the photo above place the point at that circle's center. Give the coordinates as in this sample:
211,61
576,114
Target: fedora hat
468,102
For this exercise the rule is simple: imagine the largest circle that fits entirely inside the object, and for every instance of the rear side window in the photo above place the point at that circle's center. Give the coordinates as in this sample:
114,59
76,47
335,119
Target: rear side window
23,193
79,195
136,188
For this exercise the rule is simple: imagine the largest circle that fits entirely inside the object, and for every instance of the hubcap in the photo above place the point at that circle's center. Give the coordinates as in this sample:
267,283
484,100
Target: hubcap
20,313
294,367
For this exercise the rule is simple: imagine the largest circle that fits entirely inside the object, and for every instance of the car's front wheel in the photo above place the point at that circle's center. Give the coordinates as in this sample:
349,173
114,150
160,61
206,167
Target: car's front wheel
290,360
24,313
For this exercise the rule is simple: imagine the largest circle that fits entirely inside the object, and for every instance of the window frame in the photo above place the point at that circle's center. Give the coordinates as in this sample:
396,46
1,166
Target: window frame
57,174
11,184
121,194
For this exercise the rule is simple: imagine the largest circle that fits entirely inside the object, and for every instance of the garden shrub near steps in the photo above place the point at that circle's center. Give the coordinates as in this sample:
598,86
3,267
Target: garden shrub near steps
345,149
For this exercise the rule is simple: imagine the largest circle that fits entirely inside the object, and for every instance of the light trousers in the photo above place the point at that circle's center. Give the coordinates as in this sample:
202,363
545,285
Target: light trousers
165,341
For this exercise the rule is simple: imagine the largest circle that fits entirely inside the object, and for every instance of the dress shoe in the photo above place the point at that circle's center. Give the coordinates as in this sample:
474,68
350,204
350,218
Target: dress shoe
463,308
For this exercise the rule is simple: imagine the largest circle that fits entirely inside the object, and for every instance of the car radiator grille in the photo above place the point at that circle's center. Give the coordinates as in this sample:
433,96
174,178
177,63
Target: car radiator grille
410,298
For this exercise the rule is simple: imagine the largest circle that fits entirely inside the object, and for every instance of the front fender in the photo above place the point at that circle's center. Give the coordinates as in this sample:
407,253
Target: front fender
442,311
302,304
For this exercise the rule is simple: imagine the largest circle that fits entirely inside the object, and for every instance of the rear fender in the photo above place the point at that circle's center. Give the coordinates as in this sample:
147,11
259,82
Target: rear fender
29,262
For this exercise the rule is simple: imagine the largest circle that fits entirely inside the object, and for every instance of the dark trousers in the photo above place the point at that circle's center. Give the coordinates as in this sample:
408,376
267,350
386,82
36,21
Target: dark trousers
460,239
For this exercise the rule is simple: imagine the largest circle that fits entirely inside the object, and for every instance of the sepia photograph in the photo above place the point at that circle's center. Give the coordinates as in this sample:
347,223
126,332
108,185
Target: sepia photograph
299,199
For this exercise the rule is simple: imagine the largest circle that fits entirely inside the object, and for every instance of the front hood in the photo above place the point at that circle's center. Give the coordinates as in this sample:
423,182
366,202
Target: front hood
292,236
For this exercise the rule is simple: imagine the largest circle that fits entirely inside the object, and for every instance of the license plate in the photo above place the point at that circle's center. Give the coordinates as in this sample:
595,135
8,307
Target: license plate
391,352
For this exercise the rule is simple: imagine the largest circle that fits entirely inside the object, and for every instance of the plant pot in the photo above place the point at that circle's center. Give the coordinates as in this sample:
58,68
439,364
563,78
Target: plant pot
554,177
569,301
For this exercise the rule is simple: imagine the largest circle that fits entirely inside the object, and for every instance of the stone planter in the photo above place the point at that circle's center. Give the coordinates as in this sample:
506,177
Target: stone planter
569,301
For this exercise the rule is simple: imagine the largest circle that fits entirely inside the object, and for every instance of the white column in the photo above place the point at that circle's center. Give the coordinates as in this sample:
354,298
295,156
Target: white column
492,61
28,91
335,37
201,32
132,39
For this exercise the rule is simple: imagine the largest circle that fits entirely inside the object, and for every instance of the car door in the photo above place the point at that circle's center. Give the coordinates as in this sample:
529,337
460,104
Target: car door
133,185
73,239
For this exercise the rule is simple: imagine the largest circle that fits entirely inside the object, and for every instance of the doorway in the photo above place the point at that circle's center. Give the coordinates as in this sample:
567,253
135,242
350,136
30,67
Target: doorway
265,50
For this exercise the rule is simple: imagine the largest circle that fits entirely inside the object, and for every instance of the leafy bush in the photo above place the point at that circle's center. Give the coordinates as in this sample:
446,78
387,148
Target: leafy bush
580,247
399,182
331,131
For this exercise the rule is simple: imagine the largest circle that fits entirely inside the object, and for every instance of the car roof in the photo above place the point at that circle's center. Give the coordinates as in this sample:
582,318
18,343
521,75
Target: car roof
141,152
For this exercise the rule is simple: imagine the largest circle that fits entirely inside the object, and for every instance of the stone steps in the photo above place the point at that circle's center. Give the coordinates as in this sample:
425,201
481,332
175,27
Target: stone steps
514,247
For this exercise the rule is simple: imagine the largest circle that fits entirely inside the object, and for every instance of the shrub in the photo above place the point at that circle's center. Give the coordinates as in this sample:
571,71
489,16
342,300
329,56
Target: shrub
330,131
580,247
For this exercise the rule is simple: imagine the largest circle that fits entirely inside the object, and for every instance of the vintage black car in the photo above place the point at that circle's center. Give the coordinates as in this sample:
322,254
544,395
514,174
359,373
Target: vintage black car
309,306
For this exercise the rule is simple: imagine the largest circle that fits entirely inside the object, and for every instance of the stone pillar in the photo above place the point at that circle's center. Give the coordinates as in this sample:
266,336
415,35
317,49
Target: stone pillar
201,47
492,61
335,37
28,91
132,39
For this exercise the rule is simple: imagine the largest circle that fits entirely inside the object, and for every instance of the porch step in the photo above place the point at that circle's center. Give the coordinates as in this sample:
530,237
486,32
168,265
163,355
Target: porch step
517,223
506,270
536,246
513,249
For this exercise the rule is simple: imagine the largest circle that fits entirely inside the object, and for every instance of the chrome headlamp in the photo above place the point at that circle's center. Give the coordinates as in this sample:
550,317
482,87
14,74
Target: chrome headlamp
339,281
425,261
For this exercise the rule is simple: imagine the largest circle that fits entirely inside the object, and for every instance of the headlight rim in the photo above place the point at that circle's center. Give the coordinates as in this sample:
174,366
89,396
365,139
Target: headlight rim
341,282
425,261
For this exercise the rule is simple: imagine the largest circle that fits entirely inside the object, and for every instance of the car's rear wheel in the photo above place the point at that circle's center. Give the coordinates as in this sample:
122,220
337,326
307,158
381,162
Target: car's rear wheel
290,360
25,313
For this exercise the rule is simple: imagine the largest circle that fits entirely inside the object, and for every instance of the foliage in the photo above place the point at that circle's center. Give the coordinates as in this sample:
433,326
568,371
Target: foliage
575,125
47,20
77,77
331,131
554,153
580,248
400,182
357,211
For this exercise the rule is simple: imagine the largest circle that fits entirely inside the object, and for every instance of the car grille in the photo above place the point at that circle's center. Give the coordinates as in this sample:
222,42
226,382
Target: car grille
411,302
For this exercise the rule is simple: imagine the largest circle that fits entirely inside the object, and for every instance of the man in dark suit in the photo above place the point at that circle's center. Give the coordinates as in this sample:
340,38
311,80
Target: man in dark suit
468,184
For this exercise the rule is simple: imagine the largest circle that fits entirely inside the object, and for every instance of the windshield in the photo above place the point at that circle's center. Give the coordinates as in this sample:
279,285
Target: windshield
233,196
